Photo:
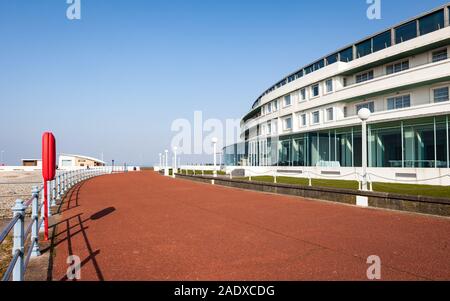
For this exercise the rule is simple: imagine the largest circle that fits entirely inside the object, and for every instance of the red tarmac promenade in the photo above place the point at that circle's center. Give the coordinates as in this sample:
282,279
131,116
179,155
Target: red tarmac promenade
143,226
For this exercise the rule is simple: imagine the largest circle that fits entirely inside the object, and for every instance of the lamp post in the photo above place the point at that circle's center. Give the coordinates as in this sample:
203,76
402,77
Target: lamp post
166,158
160,161
214,142
1,157
174,167
364,115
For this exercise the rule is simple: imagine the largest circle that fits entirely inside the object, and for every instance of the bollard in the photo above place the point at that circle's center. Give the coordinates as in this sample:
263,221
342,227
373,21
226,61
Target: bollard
35,220
309,179
18,240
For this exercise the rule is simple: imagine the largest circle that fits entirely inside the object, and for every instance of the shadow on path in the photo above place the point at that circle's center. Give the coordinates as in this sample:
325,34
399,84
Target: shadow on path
63,231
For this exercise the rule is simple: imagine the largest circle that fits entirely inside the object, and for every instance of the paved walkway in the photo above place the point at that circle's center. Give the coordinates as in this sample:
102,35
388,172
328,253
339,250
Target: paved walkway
142,226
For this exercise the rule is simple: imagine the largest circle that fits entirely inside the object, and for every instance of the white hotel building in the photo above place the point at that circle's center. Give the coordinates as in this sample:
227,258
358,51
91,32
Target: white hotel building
308,120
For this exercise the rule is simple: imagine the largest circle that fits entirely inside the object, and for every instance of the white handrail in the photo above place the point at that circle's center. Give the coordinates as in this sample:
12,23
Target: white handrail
58,188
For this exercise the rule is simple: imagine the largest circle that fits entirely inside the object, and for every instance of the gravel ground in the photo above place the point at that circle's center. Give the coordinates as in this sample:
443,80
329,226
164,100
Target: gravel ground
14,185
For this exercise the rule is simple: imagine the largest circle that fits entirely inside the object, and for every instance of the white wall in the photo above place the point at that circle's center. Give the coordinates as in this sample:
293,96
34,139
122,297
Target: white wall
426,176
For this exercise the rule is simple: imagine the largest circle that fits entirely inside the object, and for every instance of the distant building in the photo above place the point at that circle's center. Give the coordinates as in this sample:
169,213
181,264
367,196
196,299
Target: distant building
66,160
32,162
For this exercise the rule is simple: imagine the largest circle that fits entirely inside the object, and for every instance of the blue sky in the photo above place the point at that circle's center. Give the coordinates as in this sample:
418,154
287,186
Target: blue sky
114,81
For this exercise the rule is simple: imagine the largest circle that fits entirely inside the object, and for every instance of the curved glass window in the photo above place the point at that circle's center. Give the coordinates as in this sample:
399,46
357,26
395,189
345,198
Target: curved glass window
346,55
319,65
332,59
309,69
364,48
406,32
382,41
432,22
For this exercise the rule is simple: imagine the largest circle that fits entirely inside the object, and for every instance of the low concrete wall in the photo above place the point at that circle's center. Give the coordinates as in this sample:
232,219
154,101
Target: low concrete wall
425,176
418,204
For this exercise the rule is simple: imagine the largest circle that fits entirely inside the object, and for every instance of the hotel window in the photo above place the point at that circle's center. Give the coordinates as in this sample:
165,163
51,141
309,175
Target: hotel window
330,114
291,78
288,124
275,126
406,32
287,100
303,94
329,85
440,94
275,105
368,105
364,48
332,59
269,128
299,74
381,41
432,22
399,102
364,76
346,55
316,117
397,67
269,108
345,112
439,55
319,65
315,90
309,69
303,119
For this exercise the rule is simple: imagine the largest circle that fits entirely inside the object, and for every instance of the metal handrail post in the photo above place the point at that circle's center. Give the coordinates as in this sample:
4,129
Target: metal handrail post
58,195
53,203
49,196
18,240
63,186
42,209
35,220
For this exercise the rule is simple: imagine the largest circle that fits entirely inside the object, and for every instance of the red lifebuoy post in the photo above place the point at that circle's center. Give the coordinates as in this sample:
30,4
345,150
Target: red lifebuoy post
48,170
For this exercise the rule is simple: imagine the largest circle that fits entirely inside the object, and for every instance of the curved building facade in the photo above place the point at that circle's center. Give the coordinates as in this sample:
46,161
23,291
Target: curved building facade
309,118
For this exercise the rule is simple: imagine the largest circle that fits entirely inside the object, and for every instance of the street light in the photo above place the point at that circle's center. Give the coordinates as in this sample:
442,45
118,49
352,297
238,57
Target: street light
166,157
364,115
160,161
214,141
1,157
174,167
